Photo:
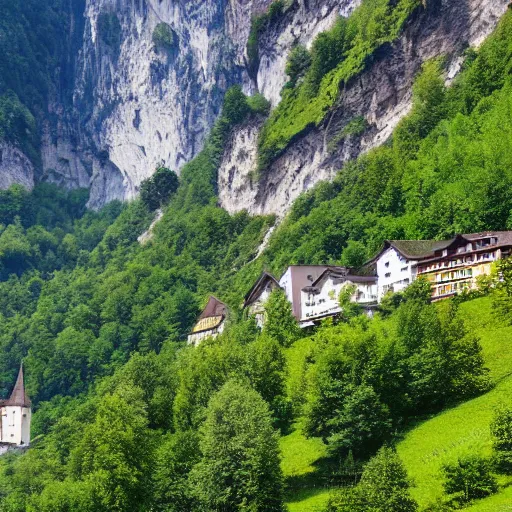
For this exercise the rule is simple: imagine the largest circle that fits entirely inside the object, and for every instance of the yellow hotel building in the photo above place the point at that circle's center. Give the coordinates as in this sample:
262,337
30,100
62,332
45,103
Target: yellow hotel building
456,267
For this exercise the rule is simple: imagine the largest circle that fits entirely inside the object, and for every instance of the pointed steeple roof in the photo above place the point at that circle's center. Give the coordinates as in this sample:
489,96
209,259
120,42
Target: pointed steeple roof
18,397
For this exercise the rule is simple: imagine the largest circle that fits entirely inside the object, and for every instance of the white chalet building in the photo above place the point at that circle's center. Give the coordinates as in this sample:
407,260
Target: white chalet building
295,279
321,298
397,262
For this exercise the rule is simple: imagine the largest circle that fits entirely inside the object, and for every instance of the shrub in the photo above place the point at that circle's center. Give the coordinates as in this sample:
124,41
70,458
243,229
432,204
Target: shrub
502,296
259,104
384,487
236,107
156,190
164,37
469,478
298,63
501,429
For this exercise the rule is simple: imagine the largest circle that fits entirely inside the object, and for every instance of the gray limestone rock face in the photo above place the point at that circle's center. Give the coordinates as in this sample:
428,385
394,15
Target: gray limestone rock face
15,167
301,23
150,104
382,94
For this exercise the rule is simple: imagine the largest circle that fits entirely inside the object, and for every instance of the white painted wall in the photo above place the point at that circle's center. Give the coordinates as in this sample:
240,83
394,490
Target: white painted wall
257,308
326,302
394,272
286,284
16,425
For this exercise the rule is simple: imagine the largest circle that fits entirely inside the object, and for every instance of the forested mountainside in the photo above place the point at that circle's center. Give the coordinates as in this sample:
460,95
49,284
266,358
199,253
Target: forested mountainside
127,417
109,90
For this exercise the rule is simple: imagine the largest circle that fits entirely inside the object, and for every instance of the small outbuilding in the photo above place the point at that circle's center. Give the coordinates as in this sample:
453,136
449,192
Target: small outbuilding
211,321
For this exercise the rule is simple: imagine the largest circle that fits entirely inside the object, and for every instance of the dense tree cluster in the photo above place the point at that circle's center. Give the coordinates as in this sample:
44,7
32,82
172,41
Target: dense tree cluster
32,46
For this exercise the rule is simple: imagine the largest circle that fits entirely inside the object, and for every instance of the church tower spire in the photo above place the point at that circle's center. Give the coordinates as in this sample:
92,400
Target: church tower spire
19,396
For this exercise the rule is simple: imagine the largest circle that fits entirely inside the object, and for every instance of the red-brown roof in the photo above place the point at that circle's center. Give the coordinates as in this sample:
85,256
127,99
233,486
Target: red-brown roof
18,396
503,240
216,311
214,307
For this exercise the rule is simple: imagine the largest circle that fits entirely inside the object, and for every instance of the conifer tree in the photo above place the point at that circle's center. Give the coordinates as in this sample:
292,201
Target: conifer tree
384,487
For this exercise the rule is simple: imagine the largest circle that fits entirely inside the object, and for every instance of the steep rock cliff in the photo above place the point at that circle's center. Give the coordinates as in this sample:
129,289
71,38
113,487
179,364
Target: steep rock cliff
137,104
382,94
301,23
124,101
15,167
145,103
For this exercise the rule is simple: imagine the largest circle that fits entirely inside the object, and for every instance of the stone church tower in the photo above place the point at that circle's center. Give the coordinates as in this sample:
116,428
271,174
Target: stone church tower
15,415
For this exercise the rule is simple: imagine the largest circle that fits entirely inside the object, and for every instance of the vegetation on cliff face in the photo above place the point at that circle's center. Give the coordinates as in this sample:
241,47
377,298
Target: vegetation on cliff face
128,418
336,56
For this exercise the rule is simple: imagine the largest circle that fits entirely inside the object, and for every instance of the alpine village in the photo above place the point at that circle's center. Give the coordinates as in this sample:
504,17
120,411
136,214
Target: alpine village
255,255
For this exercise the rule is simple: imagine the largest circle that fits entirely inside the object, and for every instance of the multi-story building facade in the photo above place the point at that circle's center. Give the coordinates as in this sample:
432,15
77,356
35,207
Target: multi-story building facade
295,279
321,298
457,266
396,263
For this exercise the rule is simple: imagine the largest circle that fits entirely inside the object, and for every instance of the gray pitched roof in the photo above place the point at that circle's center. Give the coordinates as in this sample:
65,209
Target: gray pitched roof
18,396
413,249
253,293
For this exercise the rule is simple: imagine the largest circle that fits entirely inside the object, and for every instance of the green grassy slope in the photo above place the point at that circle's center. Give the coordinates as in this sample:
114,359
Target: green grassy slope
426,447
301,456
465,428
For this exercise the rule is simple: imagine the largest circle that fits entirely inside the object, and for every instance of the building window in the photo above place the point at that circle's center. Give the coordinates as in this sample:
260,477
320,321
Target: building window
404,269
388,274
386,264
